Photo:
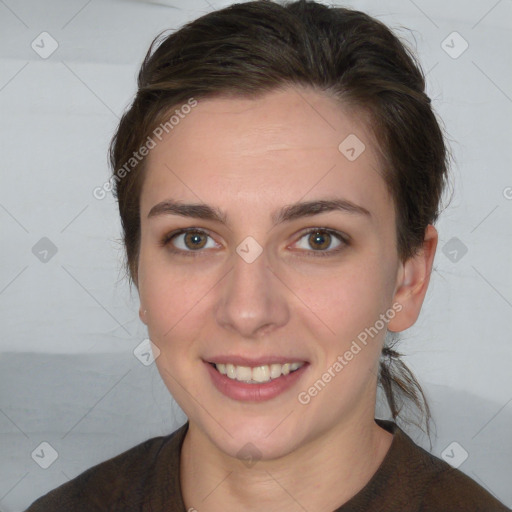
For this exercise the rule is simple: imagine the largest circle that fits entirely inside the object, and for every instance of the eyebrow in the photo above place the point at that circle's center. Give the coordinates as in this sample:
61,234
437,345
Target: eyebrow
285,214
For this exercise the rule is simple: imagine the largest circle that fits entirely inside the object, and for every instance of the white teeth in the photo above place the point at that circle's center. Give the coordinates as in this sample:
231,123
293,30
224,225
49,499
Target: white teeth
261,373
257,374
231,371
243,373
275,371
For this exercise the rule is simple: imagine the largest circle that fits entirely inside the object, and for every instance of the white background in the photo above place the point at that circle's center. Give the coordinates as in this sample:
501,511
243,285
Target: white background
68,375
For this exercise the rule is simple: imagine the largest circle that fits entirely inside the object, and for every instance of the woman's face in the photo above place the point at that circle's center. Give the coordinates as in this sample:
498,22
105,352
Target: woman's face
250,287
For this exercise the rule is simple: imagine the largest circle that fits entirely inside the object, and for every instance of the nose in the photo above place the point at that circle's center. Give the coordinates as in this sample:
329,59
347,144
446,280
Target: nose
252,301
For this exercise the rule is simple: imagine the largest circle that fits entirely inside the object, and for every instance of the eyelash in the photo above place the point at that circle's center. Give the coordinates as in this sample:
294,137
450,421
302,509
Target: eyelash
165,242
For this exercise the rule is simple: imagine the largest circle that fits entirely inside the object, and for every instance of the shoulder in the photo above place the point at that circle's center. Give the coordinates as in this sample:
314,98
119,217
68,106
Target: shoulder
411,478
451,489
119,483
438,485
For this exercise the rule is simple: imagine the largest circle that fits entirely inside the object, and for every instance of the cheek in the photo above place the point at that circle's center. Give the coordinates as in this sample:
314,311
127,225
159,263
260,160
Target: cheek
350,302
173,303
175,316
349,298
166,296
167,291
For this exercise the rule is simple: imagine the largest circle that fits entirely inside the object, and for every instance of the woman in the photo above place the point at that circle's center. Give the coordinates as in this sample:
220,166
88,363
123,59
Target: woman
278,176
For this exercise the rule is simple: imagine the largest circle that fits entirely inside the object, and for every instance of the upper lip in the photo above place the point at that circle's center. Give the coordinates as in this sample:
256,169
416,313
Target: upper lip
253,361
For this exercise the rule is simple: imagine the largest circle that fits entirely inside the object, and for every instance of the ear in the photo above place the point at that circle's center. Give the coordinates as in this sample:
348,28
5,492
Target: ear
412,282
142,314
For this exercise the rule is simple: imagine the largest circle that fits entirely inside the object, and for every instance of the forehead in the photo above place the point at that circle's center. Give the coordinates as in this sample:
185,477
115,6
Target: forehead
276,148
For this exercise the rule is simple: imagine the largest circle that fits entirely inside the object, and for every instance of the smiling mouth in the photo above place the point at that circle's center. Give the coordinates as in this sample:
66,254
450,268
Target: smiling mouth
257,374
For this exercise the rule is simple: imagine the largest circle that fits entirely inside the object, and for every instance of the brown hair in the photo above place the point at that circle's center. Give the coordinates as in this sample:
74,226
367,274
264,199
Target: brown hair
251,48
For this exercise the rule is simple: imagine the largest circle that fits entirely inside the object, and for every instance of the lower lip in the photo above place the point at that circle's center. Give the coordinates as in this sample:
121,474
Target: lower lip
245,392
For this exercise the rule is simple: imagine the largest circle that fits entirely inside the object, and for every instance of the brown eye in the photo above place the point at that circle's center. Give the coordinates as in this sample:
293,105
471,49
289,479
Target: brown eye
319,240
323,242
188,241
194,240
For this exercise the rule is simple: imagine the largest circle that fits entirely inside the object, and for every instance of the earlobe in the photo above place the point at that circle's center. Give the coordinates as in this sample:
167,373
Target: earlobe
413,281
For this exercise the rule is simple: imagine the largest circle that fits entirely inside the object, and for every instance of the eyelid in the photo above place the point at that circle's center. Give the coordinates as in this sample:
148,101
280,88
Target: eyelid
343,238
168,237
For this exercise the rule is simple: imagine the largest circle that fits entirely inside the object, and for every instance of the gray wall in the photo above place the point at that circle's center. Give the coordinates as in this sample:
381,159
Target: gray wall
68,375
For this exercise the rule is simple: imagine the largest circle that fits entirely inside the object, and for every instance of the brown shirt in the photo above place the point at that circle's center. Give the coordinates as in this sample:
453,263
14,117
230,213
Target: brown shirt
147,478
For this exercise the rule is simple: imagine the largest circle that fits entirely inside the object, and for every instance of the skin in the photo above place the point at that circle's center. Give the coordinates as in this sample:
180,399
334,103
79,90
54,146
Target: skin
250,157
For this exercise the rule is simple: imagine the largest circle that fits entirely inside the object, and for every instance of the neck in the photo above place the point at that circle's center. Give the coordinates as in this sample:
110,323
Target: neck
320,476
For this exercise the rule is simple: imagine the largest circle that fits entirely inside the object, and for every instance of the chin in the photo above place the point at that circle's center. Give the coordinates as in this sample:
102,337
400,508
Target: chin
257,438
